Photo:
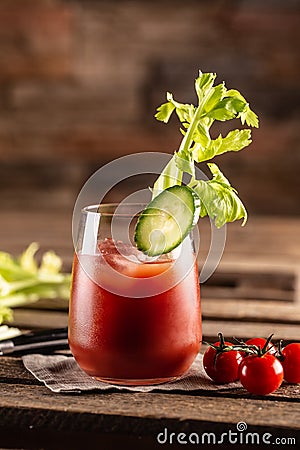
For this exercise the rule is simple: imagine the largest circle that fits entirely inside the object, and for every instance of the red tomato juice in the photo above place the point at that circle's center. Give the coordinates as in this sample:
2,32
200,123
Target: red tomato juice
129,337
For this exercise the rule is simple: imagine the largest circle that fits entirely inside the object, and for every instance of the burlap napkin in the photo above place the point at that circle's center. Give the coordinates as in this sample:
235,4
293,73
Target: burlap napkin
62,374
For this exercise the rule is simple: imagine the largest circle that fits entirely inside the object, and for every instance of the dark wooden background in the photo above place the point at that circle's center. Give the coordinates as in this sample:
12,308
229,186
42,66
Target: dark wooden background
80,81
79,84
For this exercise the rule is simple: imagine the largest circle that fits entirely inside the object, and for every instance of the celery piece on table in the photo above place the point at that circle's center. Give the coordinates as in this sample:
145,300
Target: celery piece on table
22,281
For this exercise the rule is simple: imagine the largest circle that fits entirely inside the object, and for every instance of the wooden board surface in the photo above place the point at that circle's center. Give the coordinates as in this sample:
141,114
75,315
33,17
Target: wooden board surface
135,418
255,292
29,392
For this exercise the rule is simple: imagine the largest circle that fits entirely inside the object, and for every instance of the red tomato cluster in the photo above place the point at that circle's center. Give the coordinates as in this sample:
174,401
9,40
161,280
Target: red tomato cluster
257,363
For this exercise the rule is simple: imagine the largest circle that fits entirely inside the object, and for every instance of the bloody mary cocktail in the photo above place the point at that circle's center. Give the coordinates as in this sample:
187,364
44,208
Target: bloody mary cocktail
135,306
132,321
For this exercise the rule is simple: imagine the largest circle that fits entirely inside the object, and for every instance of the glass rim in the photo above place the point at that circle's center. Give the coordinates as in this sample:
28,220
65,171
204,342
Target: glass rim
111,209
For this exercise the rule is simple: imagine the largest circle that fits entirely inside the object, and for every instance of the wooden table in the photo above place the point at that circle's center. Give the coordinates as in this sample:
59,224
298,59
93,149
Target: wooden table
254,292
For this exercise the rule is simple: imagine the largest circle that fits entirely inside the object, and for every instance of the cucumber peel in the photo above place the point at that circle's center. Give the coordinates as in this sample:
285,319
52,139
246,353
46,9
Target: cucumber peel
167,220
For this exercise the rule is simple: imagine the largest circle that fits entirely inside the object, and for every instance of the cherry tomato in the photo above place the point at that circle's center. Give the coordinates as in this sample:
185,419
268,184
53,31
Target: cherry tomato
261,375
260,342
291,362
224,367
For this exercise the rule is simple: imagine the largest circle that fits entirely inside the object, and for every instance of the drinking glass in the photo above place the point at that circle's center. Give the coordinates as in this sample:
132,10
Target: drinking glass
134,319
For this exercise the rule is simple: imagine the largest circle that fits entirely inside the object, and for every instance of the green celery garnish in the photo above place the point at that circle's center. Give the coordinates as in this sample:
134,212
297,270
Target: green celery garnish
23,282
219,199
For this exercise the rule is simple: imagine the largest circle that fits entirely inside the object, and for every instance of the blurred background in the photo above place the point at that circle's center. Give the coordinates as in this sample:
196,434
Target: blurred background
80,81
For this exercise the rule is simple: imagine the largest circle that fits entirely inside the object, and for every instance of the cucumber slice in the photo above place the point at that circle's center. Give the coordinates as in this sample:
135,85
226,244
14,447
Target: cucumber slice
167,220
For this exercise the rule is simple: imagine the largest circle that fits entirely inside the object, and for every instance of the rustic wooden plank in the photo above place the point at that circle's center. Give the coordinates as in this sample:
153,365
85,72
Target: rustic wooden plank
249,284
297,287
267,236
245,330
51,229
249,292
30,319
52,304
213,308
58,431
156,406
31,435
269,240
12,371
257,263
290,392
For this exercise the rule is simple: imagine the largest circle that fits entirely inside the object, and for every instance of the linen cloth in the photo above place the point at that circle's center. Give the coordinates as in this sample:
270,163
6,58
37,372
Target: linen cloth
62,374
